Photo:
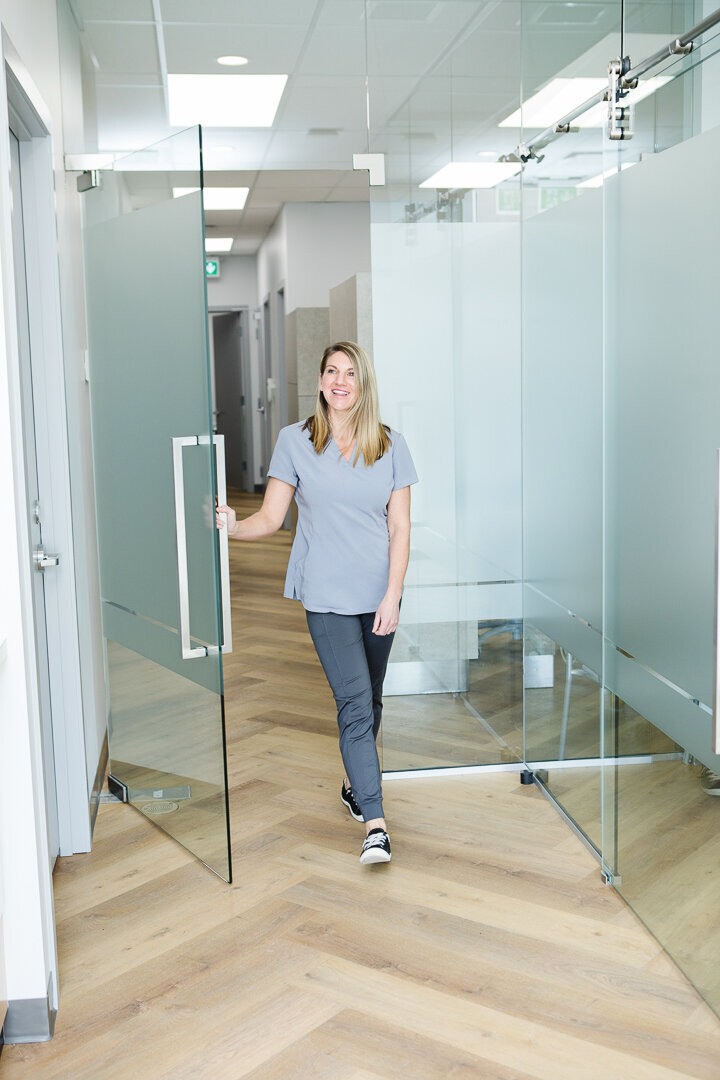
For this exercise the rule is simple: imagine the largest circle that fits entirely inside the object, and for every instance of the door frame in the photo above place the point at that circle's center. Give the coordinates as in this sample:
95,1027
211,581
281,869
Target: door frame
244,311
19,99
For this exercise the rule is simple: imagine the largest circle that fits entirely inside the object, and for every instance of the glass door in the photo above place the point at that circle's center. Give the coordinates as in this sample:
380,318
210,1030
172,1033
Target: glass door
158,470
445,262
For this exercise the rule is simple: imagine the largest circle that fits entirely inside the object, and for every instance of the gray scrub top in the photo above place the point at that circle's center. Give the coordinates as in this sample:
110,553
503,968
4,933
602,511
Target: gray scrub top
340,557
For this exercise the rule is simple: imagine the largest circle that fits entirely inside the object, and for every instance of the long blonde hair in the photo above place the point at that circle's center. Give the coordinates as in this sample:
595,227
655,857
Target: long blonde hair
363,420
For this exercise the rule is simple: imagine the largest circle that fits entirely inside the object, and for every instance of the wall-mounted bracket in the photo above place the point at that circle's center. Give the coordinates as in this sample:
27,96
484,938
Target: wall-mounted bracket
88,180
375,165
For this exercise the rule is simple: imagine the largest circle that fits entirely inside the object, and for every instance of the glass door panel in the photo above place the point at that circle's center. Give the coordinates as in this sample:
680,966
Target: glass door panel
155,480
662,438
445,287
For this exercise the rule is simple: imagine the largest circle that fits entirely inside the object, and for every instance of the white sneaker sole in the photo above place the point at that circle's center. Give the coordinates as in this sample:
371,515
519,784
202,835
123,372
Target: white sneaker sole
375,855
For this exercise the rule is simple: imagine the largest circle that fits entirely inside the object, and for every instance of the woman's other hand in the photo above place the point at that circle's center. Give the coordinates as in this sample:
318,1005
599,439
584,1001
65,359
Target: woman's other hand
387,616
223,515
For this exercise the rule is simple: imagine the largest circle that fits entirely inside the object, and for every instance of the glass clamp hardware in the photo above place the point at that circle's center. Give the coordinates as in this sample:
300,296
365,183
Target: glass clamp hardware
618,114
42,560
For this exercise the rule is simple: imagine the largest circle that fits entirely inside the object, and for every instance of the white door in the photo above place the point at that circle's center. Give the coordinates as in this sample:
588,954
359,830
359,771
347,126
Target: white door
33,505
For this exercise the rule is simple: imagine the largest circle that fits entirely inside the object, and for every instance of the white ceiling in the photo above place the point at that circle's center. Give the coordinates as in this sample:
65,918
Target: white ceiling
441,74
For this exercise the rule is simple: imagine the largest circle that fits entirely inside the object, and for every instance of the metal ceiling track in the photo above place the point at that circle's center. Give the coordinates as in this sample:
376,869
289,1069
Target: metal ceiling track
622,78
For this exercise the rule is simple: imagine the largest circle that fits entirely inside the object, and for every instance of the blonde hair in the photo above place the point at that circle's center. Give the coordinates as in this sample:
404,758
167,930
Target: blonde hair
363,420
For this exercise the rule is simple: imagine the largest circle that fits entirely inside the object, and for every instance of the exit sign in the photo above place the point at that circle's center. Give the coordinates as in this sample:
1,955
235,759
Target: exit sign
212,268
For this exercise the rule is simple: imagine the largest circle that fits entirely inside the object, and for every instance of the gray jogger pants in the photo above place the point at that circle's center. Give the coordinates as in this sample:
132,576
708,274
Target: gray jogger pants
355,660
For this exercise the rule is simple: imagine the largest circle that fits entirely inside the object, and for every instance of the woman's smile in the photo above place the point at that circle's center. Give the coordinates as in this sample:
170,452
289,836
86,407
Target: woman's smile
337,382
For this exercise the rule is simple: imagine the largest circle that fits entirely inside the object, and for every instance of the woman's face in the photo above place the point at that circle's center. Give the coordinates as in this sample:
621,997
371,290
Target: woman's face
338,383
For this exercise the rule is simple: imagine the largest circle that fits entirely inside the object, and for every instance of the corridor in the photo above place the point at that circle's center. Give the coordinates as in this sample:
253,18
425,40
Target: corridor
488,949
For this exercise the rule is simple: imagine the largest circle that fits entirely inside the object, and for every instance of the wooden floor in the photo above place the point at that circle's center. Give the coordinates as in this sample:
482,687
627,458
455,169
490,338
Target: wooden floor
488,948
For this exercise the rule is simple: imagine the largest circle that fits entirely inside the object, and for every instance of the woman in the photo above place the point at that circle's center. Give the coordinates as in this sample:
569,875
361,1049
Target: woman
351,479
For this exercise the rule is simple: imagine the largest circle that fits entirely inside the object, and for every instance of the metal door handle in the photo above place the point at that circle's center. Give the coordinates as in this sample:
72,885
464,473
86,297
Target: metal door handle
187,652
219,443
42,561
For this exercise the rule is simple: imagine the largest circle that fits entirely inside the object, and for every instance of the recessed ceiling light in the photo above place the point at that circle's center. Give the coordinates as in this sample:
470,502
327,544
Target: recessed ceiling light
216,244
232,61
597,181
552,102
472,174
217,198
224,100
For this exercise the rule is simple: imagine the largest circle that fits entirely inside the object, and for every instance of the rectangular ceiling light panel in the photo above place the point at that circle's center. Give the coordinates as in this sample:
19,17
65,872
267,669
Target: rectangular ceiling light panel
552,102
216,245
560,96
472,174
597,181
217,198
224,100
597,117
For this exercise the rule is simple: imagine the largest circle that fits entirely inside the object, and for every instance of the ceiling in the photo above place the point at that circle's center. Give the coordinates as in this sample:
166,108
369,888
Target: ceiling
435,76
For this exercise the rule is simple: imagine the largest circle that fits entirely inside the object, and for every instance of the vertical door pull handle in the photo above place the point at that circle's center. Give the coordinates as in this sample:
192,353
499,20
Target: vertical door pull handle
221,488
186,651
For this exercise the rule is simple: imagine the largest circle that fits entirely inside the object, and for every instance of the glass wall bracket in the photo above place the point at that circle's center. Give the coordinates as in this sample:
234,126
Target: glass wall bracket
618,114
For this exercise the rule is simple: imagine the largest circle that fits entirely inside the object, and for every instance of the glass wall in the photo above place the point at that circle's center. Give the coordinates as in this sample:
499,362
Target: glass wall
662,433
446,276
544,339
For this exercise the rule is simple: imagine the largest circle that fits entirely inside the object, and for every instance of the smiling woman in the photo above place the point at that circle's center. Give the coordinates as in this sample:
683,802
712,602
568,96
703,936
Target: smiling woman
351,476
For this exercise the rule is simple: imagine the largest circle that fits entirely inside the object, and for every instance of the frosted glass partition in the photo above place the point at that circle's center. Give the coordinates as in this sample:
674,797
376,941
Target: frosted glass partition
149,384
446,336
663,433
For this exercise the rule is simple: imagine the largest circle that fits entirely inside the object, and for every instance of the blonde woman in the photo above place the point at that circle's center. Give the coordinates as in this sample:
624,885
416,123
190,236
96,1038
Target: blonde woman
351,476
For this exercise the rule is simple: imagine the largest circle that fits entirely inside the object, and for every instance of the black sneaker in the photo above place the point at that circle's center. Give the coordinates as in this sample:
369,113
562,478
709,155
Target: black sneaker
376,847
349,799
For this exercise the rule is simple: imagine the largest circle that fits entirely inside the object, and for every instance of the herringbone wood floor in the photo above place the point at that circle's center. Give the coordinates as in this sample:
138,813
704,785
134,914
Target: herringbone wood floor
488,948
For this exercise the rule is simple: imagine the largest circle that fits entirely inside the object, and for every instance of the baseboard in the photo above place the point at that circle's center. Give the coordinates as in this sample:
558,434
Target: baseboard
98,783
29,1020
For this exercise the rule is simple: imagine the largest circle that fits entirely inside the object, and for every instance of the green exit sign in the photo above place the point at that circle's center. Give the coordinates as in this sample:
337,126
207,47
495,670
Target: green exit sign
212,268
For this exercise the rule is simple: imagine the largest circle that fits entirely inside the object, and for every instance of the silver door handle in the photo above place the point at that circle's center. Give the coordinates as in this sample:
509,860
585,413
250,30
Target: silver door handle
219,443
42,561
187,652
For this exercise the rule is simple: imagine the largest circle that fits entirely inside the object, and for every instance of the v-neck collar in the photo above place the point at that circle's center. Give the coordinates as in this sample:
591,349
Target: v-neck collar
347,460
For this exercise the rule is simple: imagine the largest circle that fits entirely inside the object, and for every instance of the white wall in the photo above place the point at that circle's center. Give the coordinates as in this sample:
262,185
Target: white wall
326,244
237,285
26,902
77,397
31,35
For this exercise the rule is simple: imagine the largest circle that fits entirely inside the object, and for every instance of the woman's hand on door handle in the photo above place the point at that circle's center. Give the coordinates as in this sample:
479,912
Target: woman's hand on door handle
225,514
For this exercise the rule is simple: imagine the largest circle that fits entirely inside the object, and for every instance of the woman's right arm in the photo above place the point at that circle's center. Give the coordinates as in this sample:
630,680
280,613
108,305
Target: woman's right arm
267,520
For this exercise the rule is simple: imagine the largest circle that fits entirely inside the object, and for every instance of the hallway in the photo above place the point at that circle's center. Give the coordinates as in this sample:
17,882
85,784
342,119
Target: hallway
488,948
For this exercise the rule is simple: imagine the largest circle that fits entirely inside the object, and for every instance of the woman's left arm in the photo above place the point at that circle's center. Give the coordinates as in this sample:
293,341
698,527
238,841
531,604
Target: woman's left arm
387,615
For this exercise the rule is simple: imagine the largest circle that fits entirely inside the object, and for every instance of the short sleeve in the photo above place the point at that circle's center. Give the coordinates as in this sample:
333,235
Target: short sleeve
281,464
403,468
